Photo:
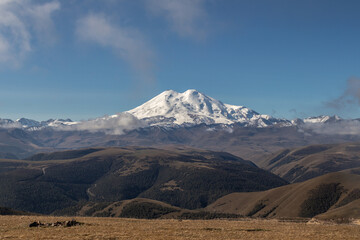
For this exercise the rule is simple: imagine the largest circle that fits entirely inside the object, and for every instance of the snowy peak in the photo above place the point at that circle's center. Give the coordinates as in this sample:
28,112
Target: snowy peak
322,119
193,107
185,107
28,122
31,124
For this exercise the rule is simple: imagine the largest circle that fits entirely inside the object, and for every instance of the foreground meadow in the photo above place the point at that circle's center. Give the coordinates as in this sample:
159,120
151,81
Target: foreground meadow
16,227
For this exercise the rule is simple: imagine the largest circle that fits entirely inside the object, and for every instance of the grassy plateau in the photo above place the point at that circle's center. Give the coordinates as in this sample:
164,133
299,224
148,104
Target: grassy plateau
17,227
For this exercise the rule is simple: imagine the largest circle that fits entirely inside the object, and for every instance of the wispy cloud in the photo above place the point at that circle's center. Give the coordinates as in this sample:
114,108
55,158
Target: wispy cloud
186,17
350,97
42,21
18,20
14,35
127,42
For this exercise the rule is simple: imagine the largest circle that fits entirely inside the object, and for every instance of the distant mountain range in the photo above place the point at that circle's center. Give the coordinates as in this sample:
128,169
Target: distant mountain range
30,124
171,118
172,109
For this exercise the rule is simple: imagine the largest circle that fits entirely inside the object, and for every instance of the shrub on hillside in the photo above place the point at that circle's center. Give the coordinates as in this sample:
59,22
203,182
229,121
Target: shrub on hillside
320,199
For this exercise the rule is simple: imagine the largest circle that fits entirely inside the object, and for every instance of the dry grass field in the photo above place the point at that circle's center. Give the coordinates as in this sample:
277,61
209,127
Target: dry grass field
16,227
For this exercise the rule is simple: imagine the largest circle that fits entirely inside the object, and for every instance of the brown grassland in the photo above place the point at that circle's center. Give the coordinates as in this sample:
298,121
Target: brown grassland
16,227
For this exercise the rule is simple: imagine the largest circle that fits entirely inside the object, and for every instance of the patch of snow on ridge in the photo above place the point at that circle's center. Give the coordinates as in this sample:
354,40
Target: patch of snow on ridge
319,119
322,119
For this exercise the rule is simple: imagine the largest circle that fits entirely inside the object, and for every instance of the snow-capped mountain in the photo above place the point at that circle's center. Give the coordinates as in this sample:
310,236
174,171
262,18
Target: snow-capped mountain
31,124
192,107
317,120
58,122
322,119
28,123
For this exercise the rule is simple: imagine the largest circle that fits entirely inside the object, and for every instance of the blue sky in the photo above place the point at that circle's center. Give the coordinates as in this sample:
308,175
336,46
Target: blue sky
84,59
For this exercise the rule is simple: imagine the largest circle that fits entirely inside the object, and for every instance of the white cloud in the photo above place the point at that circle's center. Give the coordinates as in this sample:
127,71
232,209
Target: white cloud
115,125
344,127
127,42
186,17
14,37
17,20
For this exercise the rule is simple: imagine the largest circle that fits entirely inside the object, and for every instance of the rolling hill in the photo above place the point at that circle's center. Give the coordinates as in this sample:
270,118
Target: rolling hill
300,164
332,196
9,211
183,177
138,208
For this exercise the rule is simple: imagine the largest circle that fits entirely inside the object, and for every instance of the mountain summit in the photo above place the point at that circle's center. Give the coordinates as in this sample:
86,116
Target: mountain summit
193,107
